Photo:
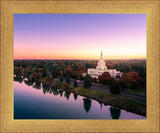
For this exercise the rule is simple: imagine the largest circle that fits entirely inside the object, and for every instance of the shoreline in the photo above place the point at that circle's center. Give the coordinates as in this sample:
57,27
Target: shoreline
110,99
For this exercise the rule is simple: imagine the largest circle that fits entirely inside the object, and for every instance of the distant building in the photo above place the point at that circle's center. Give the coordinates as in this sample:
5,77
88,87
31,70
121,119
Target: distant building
101,68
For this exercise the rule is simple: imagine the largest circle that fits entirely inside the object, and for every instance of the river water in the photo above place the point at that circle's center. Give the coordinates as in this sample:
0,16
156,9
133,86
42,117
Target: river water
34,101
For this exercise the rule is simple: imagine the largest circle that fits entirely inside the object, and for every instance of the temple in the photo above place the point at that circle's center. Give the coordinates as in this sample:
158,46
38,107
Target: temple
101,68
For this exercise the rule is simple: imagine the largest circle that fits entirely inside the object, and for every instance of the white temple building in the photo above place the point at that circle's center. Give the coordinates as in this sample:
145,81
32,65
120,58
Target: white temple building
101,68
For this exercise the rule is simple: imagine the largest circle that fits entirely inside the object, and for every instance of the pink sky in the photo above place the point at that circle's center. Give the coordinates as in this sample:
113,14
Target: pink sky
79,36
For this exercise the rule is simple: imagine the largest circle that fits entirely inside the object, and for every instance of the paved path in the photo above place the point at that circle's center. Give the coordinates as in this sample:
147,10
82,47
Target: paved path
140,98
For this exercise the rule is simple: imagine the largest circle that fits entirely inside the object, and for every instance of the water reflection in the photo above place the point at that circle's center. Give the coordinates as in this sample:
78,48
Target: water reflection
75,101
18,79
37,85
28,82
55,92
45,88
61,93
100,104
75,96
87,104
67,94
115,112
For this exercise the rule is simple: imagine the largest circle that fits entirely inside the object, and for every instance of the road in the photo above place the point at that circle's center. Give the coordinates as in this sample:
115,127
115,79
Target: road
139,98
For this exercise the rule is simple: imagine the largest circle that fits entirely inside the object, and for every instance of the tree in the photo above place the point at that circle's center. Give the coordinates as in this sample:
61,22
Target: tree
36,77
56,83
87,81
48,79
105,78
18,71
61,79
66,86
27,72
67,80
44,74
115,88
75,83
131,80
67,72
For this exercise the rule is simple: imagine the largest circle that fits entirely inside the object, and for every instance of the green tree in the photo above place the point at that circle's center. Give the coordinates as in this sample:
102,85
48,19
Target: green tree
115,88
87,81
75,83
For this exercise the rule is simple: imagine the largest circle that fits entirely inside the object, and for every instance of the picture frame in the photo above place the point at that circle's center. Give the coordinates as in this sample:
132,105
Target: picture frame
9,8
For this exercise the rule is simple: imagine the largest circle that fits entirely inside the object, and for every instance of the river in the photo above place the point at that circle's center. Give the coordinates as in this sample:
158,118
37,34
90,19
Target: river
35,101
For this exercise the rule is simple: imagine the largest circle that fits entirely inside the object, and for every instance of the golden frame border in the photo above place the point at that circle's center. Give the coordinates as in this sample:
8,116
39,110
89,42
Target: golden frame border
149,7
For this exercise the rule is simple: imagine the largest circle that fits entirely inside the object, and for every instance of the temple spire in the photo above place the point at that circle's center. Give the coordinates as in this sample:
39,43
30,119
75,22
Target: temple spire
101,54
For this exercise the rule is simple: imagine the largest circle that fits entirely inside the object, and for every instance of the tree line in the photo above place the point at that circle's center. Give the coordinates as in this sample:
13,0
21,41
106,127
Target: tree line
134,76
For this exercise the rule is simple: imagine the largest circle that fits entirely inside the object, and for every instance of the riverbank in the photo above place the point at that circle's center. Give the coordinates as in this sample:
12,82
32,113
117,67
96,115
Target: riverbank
106,98
110,99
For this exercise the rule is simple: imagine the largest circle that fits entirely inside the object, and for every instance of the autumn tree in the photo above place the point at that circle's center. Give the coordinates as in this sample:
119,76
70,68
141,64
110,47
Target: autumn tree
48,79
67,72
131,80
76,74
18,71
66,86
55,73
36,77
105,78
27,72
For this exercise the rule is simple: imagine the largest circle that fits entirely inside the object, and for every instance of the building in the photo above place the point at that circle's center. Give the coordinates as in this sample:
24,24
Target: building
101,68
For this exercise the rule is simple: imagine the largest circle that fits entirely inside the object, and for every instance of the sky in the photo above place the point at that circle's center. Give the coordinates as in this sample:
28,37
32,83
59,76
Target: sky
79,36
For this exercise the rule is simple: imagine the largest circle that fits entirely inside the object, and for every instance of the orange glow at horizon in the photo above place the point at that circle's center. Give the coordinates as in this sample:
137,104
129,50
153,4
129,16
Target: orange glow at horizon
79,53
